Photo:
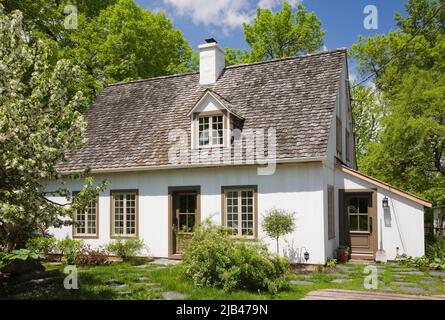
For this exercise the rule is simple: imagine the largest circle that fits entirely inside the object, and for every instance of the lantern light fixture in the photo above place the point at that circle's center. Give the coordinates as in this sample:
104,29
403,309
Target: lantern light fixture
385,202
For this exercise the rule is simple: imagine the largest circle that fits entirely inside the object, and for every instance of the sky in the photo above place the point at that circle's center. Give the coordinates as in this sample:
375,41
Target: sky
343,20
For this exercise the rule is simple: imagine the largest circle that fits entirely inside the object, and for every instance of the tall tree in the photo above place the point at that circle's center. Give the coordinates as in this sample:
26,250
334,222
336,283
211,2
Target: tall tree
39,124
409,67
126,42
283,34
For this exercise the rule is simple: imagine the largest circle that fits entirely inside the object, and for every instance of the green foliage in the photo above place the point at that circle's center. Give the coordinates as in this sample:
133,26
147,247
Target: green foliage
436,249
438,263
277,223
70,249
44,244
39,126
214,259
22,254
283,34
126,249
331,263
409,147
126,42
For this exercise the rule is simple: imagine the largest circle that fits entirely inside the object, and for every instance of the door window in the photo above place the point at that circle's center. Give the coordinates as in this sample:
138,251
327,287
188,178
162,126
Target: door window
358,214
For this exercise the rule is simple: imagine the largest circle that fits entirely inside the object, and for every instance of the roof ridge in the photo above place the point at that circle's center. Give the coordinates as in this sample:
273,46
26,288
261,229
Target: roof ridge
153,78
229,67
287,58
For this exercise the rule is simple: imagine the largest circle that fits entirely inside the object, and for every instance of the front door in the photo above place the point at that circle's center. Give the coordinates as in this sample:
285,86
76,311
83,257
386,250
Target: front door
361,217
184,218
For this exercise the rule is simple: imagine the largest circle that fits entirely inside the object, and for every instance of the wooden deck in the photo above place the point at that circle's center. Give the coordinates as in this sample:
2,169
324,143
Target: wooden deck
338,294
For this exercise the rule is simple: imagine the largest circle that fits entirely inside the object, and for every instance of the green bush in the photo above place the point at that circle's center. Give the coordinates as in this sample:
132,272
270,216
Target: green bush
214,259
436,249
277,223
45,244
70,249
22,254
126,249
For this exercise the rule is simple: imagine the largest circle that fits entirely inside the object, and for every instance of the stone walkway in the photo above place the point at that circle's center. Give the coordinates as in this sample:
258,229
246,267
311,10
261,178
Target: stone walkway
392,279
338,294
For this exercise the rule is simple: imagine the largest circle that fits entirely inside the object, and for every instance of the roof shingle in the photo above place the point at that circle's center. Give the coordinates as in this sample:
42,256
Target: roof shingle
128,124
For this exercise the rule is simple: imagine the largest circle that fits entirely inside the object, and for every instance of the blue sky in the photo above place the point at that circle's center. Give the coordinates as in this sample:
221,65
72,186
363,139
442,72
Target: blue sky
222,19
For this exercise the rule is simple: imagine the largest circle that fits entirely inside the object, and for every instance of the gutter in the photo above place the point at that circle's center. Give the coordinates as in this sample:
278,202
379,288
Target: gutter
192,166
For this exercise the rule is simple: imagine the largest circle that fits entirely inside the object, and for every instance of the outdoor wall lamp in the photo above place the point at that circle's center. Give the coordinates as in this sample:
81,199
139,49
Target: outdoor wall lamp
385,202
306,256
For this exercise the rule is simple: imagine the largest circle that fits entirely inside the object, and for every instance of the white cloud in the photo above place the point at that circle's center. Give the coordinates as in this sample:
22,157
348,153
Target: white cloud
272,4
227,14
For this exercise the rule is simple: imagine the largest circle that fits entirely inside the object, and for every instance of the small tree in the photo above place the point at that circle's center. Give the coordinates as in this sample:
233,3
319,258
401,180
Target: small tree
277,223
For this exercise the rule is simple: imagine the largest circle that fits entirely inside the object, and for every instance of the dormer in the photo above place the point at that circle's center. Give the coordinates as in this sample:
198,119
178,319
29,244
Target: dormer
212,120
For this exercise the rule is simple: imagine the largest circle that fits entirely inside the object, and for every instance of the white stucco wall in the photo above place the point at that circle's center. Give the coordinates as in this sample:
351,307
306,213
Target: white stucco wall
405,234
298,188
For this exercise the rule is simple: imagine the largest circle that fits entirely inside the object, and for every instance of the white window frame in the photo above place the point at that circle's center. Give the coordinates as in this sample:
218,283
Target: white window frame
124,233
210,130
95,204
239,233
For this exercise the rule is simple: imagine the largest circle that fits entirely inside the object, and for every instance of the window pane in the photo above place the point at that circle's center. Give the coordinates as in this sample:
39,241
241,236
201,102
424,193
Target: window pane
363,205
203,131
217,130
353,223
363,223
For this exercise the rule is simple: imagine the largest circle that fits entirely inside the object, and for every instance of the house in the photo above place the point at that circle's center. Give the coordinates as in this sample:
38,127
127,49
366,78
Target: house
229,143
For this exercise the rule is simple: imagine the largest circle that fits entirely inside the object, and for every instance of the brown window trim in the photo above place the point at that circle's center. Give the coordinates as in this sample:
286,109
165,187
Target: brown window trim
123,236
224,189
348,144
338,136
331,215
86,235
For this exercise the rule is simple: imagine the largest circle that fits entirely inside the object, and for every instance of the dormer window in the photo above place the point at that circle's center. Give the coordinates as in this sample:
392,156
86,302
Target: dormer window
211,130
212,119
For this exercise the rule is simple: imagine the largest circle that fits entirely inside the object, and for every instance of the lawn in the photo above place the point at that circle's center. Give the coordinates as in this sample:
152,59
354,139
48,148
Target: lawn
147,282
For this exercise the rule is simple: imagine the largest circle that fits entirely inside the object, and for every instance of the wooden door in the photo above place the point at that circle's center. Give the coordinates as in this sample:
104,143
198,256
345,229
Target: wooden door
362,222
184,219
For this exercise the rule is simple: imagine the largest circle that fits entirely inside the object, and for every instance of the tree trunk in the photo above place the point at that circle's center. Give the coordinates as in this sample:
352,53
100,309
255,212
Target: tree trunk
278,248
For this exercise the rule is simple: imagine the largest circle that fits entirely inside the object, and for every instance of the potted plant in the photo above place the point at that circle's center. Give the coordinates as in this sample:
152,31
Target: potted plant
343,254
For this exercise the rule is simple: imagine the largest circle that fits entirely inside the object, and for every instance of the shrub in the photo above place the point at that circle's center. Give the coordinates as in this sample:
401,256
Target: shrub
436,249
70,249
331,263
45,244
277,223
93,257
438,264
214,259
23,254
404,260
126,249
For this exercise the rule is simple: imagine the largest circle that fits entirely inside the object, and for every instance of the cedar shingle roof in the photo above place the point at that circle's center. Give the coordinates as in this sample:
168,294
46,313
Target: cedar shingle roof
128,124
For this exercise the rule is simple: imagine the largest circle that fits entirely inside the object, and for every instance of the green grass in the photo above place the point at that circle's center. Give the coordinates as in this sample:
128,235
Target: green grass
93,284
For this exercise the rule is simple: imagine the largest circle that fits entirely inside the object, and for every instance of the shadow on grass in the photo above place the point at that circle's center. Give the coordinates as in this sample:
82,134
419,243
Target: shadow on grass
91,287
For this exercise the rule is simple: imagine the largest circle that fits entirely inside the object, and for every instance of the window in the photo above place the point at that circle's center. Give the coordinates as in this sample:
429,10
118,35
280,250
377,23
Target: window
331,221
348,145
185,211
86,221
239,212
339,137
124,213
358,214
211,130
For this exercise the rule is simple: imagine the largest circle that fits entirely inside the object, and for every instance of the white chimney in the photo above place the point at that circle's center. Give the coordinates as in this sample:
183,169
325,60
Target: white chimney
211,61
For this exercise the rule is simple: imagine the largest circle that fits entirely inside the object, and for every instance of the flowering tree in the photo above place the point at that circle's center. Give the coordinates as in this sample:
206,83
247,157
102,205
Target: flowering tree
39,125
